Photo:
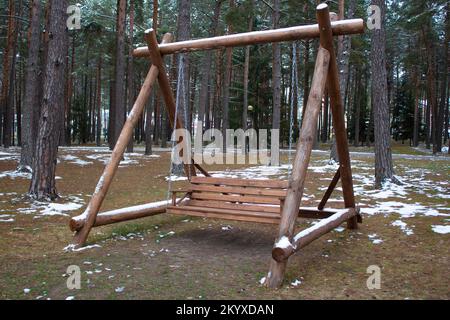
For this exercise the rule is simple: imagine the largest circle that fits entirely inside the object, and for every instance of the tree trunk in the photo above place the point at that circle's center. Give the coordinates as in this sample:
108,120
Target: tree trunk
43,185
6,100
205,81
119,92
444,87
276,70
431,85
246,74
184,33
384,169
344,47
98,136
130,73
416,84
226,86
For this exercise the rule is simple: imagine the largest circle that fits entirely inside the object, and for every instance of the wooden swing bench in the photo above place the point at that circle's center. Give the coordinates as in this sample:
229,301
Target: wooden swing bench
247,200
262,201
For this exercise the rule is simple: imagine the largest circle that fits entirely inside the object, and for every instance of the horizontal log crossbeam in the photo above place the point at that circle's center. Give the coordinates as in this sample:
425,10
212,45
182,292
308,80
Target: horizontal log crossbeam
344,27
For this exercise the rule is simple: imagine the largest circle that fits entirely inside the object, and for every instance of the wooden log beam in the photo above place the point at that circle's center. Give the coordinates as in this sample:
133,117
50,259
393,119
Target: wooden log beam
301,162
284,248
120,215
116,156
330,190
337,108
344,27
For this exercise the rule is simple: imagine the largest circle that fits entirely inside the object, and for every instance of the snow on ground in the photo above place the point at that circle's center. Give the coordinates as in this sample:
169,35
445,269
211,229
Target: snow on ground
441,229
375,239
392,199
62,208
403,226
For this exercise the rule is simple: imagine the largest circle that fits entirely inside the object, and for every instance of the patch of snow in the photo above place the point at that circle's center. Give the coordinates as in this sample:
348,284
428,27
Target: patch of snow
440,229
373,238
262,280
70,298
176,178
72,248
26,290
15,174
6,218
406,210
53,209
119,289
403,226
296,283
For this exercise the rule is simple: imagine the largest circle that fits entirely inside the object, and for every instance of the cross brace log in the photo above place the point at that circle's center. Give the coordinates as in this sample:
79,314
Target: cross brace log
284,248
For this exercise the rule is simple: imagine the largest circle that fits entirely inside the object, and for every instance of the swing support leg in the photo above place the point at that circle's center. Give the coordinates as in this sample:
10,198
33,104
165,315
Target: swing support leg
104,183
337,110
301,163
325,73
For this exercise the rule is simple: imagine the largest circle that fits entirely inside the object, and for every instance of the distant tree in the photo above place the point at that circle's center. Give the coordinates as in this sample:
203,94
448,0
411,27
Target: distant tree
43,185
30,110
7,92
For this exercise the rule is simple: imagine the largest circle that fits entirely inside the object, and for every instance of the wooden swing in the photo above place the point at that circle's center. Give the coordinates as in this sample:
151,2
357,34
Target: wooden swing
262,201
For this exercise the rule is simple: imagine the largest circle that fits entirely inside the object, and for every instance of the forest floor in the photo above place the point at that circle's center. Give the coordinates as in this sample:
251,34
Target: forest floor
405,231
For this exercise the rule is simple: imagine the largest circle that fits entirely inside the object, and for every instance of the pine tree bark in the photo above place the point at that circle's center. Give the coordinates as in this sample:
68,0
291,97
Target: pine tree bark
384,169
119,92
415,79
205,80
276,70
184,33
98,135
130,72
440,135
246,74
6,100
43,185
226,86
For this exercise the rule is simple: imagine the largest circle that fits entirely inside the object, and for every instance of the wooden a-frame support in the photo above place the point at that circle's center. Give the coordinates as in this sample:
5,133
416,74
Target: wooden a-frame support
325,75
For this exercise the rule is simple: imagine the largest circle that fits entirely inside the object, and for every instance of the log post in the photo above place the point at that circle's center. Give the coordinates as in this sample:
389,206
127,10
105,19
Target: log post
111,168
301,163
284,248
337,109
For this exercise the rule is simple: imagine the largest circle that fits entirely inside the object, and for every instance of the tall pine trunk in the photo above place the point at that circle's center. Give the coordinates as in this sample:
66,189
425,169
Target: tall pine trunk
276,70
43,185
130,72
384,169
119,92
205,76
6,101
